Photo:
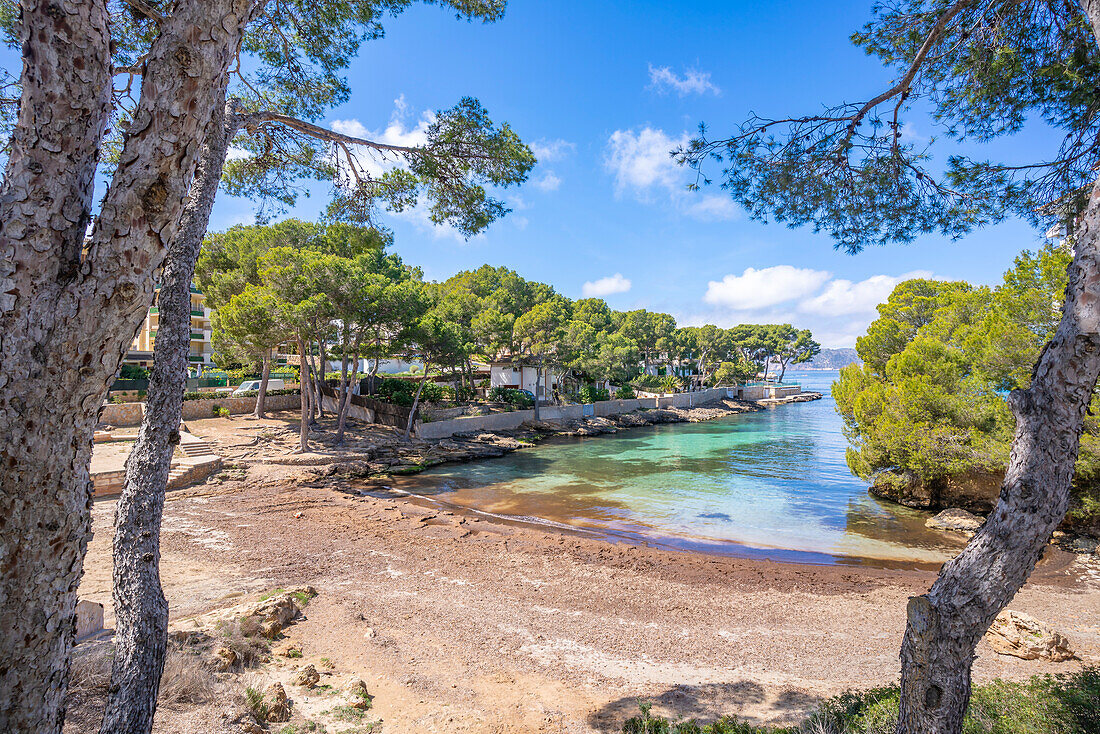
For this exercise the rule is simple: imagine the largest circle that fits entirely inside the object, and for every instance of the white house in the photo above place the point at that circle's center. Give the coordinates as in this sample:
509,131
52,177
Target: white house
505,374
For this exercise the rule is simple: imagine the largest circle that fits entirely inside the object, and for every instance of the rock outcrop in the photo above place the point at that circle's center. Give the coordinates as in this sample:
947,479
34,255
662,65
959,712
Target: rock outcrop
307,677
278,706
1023,636
975,491
955,520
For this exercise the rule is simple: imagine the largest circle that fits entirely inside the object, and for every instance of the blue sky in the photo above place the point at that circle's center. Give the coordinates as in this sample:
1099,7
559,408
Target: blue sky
602,90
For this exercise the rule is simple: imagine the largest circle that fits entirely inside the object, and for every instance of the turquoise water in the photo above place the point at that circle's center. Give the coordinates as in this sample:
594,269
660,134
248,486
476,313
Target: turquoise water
771,484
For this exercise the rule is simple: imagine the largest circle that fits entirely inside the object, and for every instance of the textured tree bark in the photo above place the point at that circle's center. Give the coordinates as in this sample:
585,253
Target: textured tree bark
69,311
345,395
261,396
304,389
416,402
945,625
141,610
46,414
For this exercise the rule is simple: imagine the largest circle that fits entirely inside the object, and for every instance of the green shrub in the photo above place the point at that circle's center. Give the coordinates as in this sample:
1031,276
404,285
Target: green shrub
194,395
220,411
649,383
512,396
626,392
590,394
1045,704
133,372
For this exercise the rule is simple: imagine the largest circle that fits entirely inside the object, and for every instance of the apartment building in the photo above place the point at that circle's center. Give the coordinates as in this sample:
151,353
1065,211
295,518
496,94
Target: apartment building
201,352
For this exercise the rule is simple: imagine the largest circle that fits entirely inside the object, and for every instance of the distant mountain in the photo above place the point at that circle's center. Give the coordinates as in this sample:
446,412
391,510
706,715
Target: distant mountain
831,359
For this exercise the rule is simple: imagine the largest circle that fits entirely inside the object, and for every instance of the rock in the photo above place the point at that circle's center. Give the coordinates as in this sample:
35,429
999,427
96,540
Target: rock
1084,544
224,659
307,677
188,637
251,727
357,692
278,708
1023,636
271,629
370,634
955,520
293,650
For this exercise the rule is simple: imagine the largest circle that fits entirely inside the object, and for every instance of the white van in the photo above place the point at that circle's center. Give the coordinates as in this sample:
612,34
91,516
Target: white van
254,385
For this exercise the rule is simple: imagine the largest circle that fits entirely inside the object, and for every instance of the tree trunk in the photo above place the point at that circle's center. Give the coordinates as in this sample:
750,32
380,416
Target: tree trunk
538,377
45,492
305,391
140,607
68,310
945,625
261,396
344,402
416,402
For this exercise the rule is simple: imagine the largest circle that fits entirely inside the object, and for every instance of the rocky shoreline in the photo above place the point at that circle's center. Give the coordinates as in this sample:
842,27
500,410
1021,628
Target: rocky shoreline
402,459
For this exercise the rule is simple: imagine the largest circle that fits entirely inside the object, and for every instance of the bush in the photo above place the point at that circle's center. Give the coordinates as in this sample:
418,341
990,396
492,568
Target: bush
222,396
590,394
220,411
649,383
1065,704
626,392
133,372
512,396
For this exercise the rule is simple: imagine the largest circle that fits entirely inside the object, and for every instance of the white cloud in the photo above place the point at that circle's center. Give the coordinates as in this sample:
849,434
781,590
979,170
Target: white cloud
547,151
642,164
397,132
755,289
549,182
713,208
843,297
641,160
606,286
663,79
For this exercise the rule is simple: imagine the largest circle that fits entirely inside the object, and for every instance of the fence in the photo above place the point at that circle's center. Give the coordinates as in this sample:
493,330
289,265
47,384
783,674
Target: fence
385,413
193,383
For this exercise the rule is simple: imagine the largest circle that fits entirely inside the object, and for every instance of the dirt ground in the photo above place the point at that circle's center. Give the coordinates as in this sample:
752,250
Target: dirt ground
458,624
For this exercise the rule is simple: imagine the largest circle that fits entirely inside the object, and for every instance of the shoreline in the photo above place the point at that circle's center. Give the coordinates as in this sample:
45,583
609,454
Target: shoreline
503,625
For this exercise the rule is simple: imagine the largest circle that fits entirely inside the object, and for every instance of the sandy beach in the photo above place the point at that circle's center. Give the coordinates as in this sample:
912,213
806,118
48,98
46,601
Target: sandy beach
457,623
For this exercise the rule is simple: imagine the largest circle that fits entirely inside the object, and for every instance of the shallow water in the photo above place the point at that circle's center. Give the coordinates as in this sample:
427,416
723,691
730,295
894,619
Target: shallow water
769,484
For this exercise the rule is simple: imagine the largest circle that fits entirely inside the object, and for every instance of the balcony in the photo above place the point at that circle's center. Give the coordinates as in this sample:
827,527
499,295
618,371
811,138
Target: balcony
196,312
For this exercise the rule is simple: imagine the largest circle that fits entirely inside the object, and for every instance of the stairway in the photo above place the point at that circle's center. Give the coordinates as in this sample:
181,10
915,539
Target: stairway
198,461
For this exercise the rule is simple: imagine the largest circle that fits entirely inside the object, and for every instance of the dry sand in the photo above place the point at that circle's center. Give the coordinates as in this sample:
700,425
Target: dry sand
460,624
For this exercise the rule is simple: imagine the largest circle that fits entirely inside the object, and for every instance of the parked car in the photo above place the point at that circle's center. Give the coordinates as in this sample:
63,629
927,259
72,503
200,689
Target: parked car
254,385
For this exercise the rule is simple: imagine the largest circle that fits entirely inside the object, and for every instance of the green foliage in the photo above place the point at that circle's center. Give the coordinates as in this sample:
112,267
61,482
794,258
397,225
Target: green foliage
401,392
670,383
590,394
929,401
730,373
515,398
1045,704
254,699
223,396
851,170
220,411
626,392
133,372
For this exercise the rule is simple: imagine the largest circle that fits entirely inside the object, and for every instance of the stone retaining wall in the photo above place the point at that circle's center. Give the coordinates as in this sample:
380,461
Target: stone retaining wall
131,414
516,418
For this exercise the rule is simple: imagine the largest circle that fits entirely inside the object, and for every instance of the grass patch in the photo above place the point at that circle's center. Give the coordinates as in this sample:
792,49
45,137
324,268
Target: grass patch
301,597
1045,704
242,636
255,702
346,713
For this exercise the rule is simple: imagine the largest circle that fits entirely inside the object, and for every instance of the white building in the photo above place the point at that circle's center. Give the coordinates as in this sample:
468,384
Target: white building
505,374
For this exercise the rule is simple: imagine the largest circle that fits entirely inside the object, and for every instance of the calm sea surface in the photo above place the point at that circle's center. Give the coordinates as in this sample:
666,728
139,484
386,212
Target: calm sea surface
769,484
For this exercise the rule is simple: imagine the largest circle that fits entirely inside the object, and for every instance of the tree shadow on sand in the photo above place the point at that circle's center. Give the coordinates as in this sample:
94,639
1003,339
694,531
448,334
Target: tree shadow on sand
747,700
